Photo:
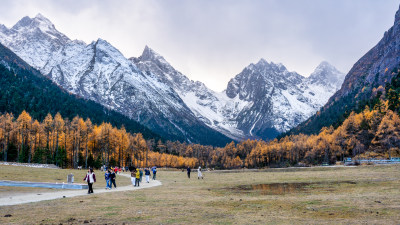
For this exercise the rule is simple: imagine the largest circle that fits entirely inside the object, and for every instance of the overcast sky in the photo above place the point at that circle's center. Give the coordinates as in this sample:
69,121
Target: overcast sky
213,40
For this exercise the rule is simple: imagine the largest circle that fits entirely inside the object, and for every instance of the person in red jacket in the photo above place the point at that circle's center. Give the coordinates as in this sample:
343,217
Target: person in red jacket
90,178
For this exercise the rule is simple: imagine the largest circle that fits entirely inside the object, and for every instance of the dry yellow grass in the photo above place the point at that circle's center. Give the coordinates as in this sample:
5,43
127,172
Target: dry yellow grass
373,198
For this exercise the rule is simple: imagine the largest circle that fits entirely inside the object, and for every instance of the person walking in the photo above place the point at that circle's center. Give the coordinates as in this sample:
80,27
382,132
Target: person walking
154,169
141,175
90,178
147,174
137,178
108,180
133,177
112,178
199,174
188,172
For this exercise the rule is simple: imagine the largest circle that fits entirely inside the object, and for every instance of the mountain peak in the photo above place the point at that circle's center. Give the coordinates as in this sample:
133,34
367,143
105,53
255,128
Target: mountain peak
149,54
326,73
39,16
325,65
39,21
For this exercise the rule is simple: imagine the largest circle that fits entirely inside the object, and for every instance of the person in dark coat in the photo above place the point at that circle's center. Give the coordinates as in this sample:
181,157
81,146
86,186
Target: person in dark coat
112,178
147,174
188,172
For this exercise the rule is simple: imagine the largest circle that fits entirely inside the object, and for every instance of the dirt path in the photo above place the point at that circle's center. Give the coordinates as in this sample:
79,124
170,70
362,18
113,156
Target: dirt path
43,196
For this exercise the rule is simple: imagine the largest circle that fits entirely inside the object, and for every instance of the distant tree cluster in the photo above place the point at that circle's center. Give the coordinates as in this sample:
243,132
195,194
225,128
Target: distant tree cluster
77,143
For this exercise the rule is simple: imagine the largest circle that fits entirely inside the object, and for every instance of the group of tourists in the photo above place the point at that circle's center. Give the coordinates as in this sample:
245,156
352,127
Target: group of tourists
199,173
110,176
110,179
137,174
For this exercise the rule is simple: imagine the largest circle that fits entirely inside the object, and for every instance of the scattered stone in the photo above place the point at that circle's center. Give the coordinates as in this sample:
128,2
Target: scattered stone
8,215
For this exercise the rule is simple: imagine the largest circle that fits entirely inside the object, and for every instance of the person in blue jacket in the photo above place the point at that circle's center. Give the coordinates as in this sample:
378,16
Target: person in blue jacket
147,174
107,177
154,169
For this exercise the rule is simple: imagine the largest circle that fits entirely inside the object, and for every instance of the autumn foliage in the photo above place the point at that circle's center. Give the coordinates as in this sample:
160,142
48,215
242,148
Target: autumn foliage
78,143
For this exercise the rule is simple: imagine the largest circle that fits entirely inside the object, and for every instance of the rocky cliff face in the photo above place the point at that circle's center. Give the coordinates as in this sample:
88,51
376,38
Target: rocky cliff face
280,99
263,100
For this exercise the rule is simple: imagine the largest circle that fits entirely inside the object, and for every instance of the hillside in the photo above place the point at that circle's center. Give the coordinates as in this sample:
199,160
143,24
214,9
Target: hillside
367,77
24,88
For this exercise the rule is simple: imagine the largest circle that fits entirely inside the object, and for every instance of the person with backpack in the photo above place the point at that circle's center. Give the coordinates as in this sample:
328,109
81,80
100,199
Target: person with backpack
90,178
108,180
147,174
112,178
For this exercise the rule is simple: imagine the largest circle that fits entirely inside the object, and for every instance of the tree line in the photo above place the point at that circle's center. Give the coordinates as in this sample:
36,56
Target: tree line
78,142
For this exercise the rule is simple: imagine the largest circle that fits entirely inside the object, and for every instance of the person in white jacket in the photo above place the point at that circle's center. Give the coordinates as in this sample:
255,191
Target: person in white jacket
199,174
90,178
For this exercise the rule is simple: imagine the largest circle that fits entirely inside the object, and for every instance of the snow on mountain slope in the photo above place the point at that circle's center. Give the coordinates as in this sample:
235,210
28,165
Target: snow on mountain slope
260,102
98,71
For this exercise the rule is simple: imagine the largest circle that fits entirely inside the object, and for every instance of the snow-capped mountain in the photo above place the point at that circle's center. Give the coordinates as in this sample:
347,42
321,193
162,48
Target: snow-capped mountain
264,100
214,109
260,102
280,99
98,71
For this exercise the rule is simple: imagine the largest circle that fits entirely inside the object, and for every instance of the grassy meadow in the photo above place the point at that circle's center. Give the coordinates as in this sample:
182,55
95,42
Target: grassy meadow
320,195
